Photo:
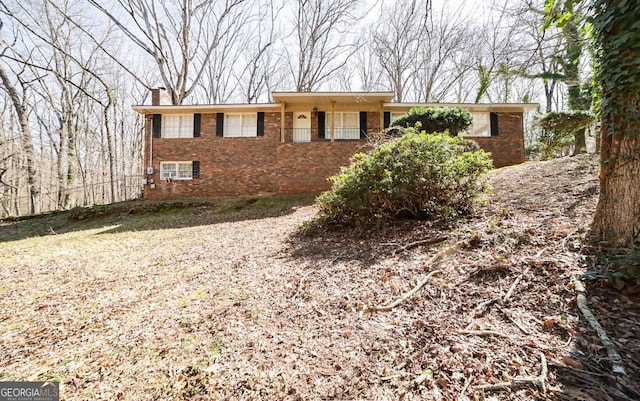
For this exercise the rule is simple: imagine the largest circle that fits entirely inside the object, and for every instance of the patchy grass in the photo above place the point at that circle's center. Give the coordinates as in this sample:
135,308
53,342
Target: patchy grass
225,300
142,215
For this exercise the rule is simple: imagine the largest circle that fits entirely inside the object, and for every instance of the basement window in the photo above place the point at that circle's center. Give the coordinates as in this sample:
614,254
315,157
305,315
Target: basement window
176,170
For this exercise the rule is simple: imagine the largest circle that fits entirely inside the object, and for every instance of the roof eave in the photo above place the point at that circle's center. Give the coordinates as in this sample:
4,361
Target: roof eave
525,107
201,108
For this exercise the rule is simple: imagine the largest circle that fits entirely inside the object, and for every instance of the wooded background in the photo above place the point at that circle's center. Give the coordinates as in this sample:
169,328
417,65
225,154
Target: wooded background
71,69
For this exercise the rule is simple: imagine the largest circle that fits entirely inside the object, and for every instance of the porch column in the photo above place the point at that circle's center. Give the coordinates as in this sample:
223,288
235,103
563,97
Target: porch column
333,120
381,111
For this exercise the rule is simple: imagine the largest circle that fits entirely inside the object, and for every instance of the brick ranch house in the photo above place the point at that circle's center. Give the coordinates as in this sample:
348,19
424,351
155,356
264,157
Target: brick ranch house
290,146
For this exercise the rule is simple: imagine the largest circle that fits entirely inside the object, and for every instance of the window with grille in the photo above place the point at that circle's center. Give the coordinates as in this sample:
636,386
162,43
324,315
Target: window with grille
177,125
240,124
176,170
347,125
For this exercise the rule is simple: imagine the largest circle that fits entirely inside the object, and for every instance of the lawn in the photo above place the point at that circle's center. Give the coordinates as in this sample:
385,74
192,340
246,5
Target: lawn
225,299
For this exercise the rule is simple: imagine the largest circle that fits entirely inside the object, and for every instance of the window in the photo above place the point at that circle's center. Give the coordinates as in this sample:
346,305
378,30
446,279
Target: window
176,170
347,125
481,125
240,124
396,115
177,125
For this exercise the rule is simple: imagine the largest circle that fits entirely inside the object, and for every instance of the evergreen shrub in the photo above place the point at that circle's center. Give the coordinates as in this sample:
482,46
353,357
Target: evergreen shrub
419,175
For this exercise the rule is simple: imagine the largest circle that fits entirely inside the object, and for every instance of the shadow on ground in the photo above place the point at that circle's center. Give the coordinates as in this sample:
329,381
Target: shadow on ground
320,245
146,215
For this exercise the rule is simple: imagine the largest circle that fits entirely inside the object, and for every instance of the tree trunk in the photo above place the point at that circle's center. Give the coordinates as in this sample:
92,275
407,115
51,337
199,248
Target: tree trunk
576,100
616,223
63,162
111,151
27,142
617,218
580,142
71,165
111,154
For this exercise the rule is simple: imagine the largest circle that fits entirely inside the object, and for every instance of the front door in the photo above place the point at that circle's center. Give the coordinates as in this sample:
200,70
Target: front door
301,126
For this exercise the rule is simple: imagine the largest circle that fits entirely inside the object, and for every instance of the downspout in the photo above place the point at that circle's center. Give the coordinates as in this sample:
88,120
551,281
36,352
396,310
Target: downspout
150,141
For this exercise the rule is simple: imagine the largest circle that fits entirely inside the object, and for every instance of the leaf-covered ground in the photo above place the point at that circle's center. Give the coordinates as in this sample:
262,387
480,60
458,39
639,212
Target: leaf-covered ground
203,304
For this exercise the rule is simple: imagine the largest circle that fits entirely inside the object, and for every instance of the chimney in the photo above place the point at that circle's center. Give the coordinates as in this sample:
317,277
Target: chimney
160,96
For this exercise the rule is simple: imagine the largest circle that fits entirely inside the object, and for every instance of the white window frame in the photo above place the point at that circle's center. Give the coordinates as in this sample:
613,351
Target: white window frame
177,126
395,115
176,170
247,125
481,125
342,131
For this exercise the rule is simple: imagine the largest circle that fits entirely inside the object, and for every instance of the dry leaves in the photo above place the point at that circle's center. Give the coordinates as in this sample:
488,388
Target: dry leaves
250,310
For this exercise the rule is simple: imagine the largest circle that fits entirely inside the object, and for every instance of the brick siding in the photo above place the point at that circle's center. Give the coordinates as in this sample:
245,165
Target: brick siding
263,165
507,148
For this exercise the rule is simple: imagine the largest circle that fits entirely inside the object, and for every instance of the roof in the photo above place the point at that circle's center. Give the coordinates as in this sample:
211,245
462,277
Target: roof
203,108
470,106
309,100
328,97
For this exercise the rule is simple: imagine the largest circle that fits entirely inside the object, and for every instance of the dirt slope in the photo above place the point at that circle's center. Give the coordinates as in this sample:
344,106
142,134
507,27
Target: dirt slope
249,309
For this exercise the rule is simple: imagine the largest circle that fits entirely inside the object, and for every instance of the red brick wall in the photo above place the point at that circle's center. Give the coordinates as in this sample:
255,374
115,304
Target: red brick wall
507,148
263,165
248,166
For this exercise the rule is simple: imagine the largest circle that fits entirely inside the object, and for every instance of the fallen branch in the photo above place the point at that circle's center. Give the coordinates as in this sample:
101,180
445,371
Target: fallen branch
300,283
480,308
514,321
581,300
515,284
519,278
414,244
435,260
388,307
483,333
540,381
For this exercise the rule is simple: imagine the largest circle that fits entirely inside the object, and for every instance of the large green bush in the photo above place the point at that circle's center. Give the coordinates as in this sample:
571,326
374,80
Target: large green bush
418,175
434,119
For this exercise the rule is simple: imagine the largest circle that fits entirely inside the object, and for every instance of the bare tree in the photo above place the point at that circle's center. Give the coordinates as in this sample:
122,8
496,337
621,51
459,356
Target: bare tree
545,45
53,28
368,70
397,41
502,49
10,150
181,37
18,99
320,29
446,37
261,72
85,126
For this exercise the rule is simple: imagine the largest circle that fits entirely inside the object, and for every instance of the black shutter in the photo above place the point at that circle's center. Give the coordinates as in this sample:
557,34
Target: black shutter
493,119
321,124
220,124
157,125
260,124
363,124
387,119
195,169
197,121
